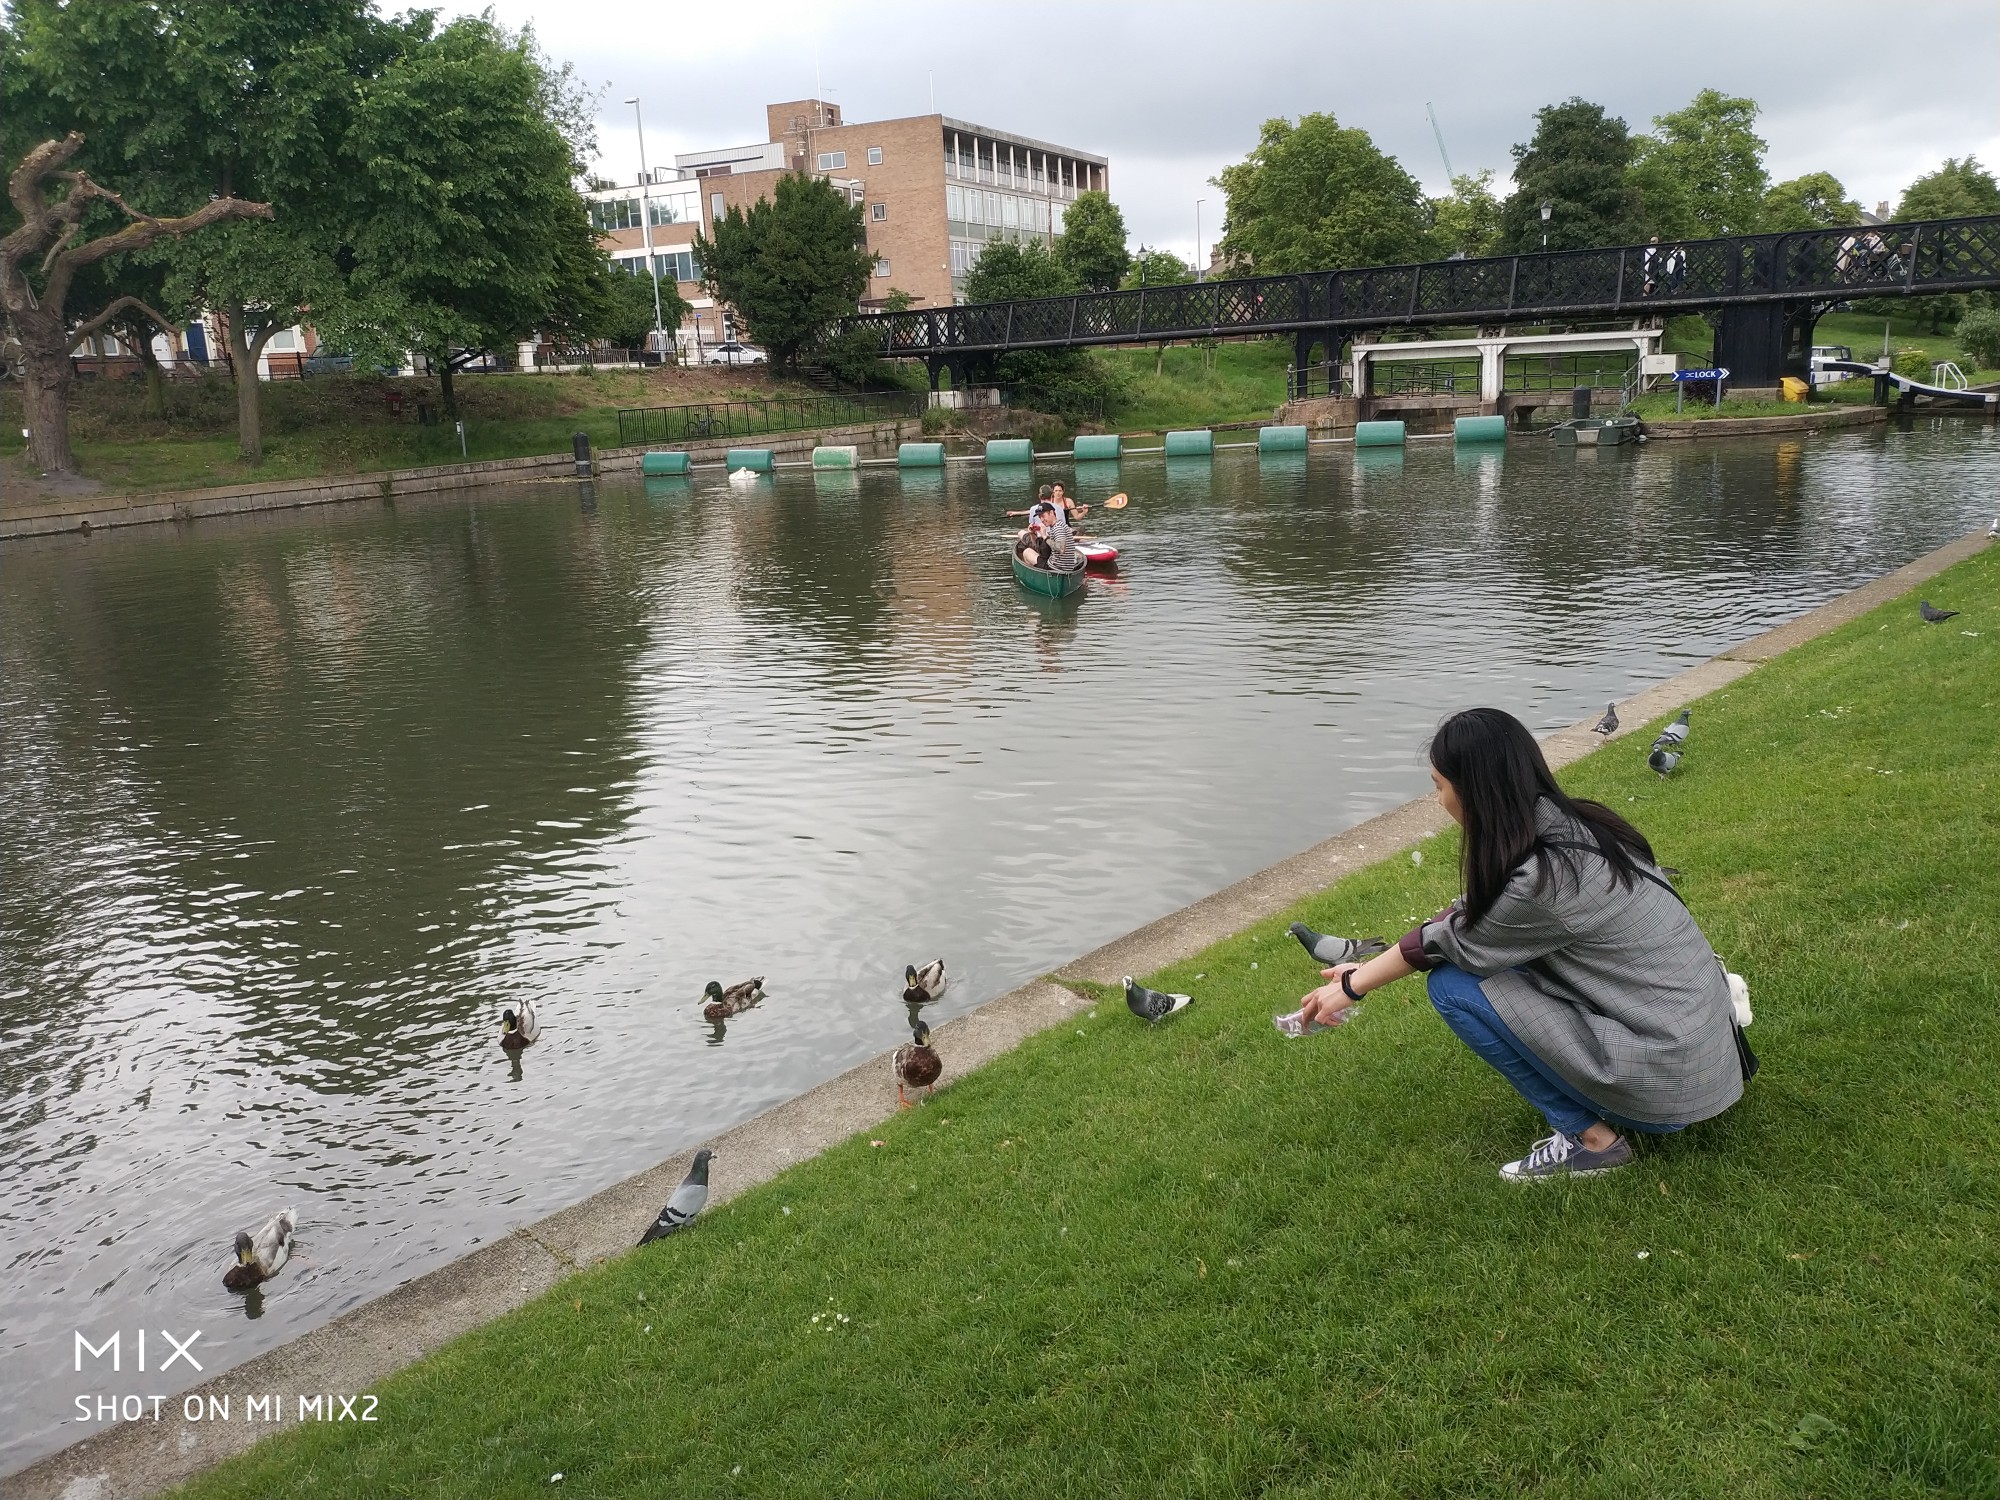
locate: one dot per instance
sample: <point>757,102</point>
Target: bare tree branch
<point>110,313</point>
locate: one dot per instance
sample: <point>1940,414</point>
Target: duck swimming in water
<point>921,986</point>
<point>519,1029</point>
<point>261,1256</point>
<point>722,1004</point>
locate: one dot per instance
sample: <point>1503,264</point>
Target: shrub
<point>1979,338</point>
<point>1912,364</point>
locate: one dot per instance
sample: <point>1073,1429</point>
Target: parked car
<point>1824,352</point>
<point>735,354</point>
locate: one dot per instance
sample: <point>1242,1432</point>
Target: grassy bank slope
<point>1205,1261</point>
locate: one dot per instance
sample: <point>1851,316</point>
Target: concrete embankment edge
<point>106,512</point>
<point>1804,421</point>
<point>384,1335</point>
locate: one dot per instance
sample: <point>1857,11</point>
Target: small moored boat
<point>1098,554</point>
<point>1042,581</point>
<point>1598,432</point>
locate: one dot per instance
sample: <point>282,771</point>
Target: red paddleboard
<point>1098,554</point>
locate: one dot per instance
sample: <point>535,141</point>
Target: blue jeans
<point>1468,1012</point>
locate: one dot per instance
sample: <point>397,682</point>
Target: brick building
<point>934,190</point>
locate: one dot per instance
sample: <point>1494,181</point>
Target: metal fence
<point>725,419</point>
<point>1565,372</point>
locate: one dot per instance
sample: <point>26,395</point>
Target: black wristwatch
<point>1346,988</point>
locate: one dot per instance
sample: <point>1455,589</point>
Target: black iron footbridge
<point>1768,289</point>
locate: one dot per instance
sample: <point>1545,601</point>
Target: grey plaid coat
<point>1616,990</point>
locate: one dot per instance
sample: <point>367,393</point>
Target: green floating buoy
<point>920,456</point>
<point>1479,430</point>
<point>666,463</point>
<point>1194,442</point>
<point>837,456</point>
<point>761,460</point>
<point>1378,434</point>
<point>1009,451</point>
<point>1095,445</point>
<point>1283,439</point>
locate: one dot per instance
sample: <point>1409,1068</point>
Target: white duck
<point>742,478</point>
<point>261,1256</point>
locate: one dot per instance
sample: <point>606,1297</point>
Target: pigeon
<point>1664,760</point>
<point>1608,725</point>
<point>1151,1006</point>
<point>1329,949</point>
<point>688,1200</point>
<point>1932,614</point>
<point>1674,735</point>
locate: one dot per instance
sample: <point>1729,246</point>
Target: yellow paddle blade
<point>1116,502</point>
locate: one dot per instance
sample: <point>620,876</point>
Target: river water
<point>290,807</point>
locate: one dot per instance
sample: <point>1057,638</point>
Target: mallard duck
<point>688,1200</point>
<point>921,986</point>
<point>261,1256</point>
<point>916,1063</point>
<point>722,1004</point>
<point>519,1029</point>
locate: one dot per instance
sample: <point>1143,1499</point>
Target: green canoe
<point>1041,581</point>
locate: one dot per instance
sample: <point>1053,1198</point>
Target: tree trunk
<point>1159,358</point>
<point>243,362</point>
<point>140,337</point>
<point>447,393</point>
<point>45,402</point>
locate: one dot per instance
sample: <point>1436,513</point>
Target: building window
<point>832,161</point>
<point>671,211</point>
<point>715,205</point>
<point>881,269</point>
<point>874,156</point>
<point>620,213</point>
<point>878,211</point>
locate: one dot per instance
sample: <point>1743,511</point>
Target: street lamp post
<point>1547,209</point>
<point>1200,272</point>
<point>646,229</point>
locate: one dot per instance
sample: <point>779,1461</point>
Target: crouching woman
<point>1569,964</point>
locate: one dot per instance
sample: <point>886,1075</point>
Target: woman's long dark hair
<point>1499,774</point>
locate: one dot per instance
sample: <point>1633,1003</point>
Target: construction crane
<point>1440,140</point>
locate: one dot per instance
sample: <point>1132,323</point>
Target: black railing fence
<point>725,419</point>
<point>1943,255</point>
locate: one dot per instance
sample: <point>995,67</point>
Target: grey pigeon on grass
<point>1329,949</point>
<point>1674,735</point>
<point>689,1199</point>
<point>1932,614</point>
<point>1608,725</point>
<point>1664,761</point>
<point>1152,1006</point>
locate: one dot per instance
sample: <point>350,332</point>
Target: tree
<point>1466,221</point>
<point>792,266</point>
<point>39,263</point>
<point>1577,163</point>
<point>1978,336</point>
<point>1958,189</point>
<point>1814,201</point>
<point>623,311</point>
<point>1007,272</point>
<point>188,100</point>
<point>1701,172</point>
<point>1316,197</point>
<point>1091,246</point>
<point>1158,268</point>
<point>467,233</point>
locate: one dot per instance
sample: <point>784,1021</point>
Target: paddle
<point>1117,502</point>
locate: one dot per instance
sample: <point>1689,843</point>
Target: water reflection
<point>292,807</point>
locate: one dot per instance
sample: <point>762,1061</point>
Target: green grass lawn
<point>343,425</point>
<point>1245,384</point>
<point>1204,1261</point>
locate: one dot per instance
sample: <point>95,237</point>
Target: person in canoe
<point>1071,511</point>
<point>1048,543</point>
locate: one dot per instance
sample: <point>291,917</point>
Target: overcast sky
<point>1172,91</point>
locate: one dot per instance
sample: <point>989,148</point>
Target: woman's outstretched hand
<point>1327,1004</point>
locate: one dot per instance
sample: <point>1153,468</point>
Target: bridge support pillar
<point>1329,340</point>
<point>1762,343</point>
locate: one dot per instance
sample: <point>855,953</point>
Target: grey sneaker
<point>1560,1156</point>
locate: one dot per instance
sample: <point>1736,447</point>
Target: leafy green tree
<point>1957,189</point>
<point>1578,163</point>
<point>1701,172</point>
<point>792,266</point>
<point>1978,336</point>
<point>1158,268</point>
<point>186,101</point>
<point>621,309</point>
<point>467,232</point>
<point>1313,196</point>
<point>1814,201</point>
<point>1007,272</point>
<point>1466,221</point>
<point>1091,246</point>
